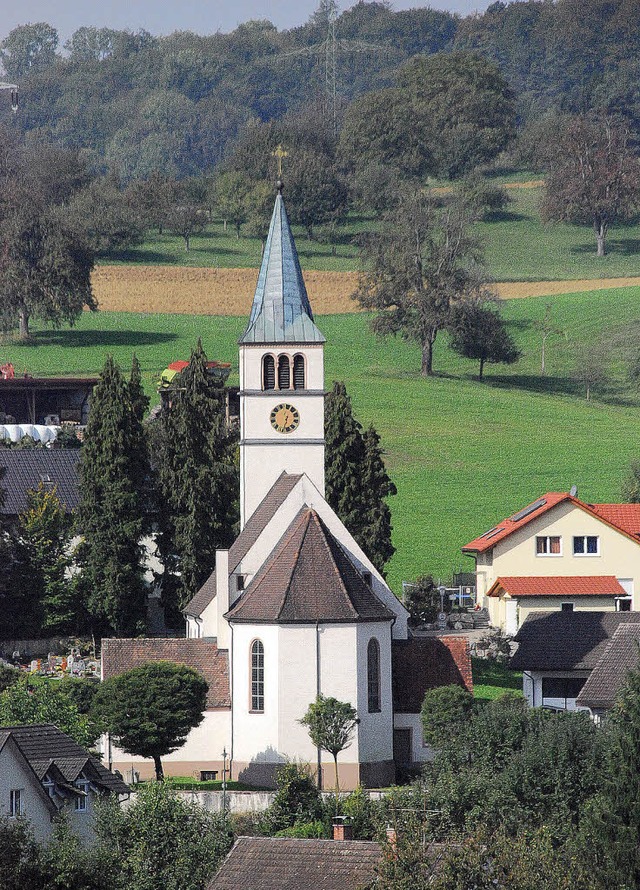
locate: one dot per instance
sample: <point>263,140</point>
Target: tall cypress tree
<point>356,481</point>
<point>198,482</point>
<point>113,476</point>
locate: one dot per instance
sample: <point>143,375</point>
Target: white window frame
<point>16,802</point>
<point>584,543</point>
<point>548,538</point>
<point>80,802</point>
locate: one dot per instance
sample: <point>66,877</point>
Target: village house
<point>295,608</point>
<point>558,553</point>
<point>568,659</point>
<point>44,773</point>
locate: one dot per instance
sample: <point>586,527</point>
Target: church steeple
<point>281,312</point>
<point>281,375</point>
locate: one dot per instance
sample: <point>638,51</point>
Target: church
<point>294,608</point>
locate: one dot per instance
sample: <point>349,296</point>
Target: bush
<point>305,830</point>
<point>444,710</point>
<point>297,799</point>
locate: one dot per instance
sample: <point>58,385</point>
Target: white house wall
<point>14,774</point>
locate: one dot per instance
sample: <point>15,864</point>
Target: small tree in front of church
<point>331,724</point>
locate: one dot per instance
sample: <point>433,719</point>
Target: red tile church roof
<point>422,663</point>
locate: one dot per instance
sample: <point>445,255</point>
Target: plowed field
<point>192,291</point>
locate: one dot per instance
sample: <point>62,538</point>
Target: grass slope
<point>491,680</point>
<point>463,453</point>
<point>518,247</point>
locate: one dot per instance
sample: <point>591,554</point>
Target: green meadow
<point>518,247</point>
<point>462,453</point>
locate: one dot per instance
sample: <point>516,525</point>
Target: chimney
<point>342,830</point>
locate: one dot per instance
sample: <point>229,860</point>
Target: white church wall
<point>255,735</point>
<point>264,463</point>
<point>202,750</point>
<point>251,364</point>
<point>339,673</point>
<point>376,729</point>
<point>420,753</point>
<point>298,688</point>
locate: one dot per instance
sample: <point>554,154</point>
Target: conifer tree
<point>356,481</point>
<point>198,483</point>
<point>113,476</point>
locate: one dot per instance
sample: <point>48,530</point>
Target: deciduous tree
<point>149,710</point>
<point>478,332</point>
<point>594,177</point>
<point>422,261</point>
<point>331,724</point>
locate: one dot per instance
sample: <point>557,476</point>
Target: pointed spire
<point>281,312</point>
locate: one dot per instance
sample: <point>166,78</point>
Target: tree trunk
<point>481,369</point>
<point>24,323</point>
<point>600,228</point>
<point>158,766</point>
<point>427,359</point>
<point>335,763</point>
<point>237,231</point>
<point>187,242</point>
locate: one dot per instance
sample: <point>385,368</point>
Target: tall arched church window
<point>298,372</point>
<point>373,675</point>
<point>257,676</point>
<point>268,372</point>
<point>284,372</point>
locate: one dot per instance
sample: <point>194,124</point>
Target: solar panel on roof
<point>486,534</point>
<point>493,533</point>
<point>528,510</point>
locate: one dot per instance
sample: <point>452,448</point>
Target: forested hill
<point>138,103</point>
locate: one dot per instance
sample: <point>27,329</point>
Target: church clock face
<point>285,418</point>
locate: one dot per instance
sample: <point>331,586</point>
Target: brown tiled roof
<point>120,655</point>
<point>564,641</point>
<point>308,578</point>
<point>284,863</point>
<point>556,585</point>
<point>422,663</point>
<point>606,679</point>
<point>43,745</point>
<point>258,521</point>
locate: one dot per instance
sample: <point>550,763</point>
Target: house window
<point>373,676</point>
<point>298,372</point>
<point>257,676</point>
<point>566,607</point>
<point>562,687</point>
<point>548,545</point>
<point>586,545</point>
<point>16,802</point>
<point>80,803</point>
<point>268,372</point>
<point>284,372</point>
<point>239,582</point>
<point>623,604</point>
<point>367,578</point>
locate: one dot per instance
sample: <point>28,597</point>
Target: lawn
<point>463,454</point>
<point>518,246</point>
<point>491,680</point>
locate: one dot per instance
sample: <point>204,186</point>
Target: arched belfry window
<point>268,372</point>
<point>284,372</point>
<point>257,676</point>
<point>373,675</point>
<point>298,372</point>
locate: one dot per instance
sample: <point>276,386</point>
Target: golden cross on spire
<point>280,153</point>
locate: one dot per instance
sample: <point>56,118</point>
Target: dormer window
<point>239,582</point>
<point>80,803</point>
<point>284,372</point>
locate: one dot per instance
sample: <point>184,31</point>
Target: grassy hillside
<point>462,453</point>
<point>519,247</point>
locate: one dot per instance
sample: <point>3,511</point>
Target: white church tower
<point>281,375</point>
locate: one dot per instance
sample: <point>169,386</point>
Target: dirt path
<point>192,291</point>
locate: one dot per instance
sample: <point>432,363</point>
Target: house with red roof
<point>558,552</point>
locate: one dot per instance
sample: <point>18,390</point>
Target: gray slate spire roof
<point>281,312</point>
